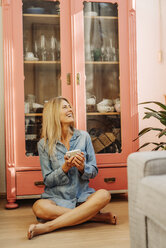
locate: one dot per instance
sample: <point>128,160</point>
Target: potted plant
<point>161,116</point>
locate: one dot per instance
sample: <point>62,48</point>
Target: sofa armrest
<point>140,165</point>
<point>147,163</point>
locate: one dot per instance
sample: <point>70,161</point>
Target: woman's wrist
<point>65,167</point>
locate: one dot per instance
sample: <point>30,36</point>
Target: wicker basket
<point>105,140</point>
<point>111,136</point>
<point>98,146</point>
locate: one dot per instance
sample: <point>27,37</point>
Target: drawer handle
<point>110,180</point>
<point>38,183</point>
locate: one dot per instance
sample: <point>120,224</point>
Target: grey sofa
<point>147,199</point>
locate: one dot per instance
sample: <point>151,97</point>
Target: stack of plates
<point>35,10</point>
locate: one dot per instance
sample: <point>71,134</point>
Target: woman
<point>67,199</point>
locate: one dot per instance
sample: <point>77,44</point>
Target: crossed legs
<point>58,217</point>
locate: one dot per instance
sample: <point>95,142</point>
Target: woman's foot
<point>106,218</point>
<point>36,229</point>
<point>31,231</point>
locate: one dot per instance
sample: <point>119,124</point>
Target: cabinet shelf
<point>33,114</point>
<point>91,113</point>
<point>41,15</point>
<point>39,18</point>
<point>41,62</point>
<point>102,62</point>
<point>102,17</point>
<point>105,113</point>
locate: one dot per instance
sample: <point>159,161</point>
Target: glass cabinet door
<point>42,64</point>
<point>101,44</point>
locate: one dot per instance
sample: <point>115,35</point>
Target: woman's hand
<point>78,162</point>
<point>68,163</point>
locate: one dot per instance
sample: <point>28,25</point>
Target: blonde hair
<point>51,126</point>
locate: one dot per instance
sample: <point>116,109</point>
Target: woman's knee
<point>39,208</point>
<point>105,195</point>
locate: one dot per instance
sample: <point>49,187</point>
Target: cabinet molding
<point>9,85</point>
<point>133,77</point>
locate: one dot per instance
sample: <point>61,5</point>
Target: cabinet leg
<point>11,204</point>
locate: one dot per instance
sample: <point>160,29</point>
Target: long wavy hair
<point>51,126</point>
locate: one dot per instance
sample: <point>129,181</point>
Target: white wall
<point>151,74</point>
<point>2,139</point>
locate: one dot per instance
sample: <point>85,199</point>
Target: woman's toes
<point>31,232</point>
<point>114,219</point>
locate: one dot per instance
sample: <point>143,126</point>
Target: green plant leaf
<point>157,103</point>
<point>151,114</point>
<point>147,129</point>
<point>163,132</point>
<point>159,145</point>
<point>146,144</point>
<point>163,113</point>
<point>163,121</point>
<point>151,109</point>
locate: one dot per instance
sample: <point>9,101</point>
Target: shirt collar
<point>75,134</point>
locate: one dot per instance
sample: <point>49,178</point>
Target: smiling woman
<point>67,200</point>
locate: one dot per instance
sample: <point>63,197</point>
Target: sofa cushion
<point>151,199</point>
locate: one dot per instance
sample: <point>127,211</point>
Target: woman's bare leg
<point>83,213</point>
<point>48,210</point>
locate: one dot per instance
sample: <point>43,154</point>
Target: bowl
<point>35,10</point>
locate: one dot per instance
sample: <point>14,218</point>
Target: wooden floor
<point>14,225</point>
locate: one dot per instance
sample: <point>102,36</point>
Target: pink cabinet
<point>85,51</point>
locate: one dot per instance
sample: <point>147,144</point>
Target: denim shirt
<point>67,189</point>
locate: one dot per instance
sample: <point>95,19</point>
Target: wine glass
<point>102,53</point>
<point>43,47</point>
<point>36,49</point>
<point>92,53</point>
<point>52,47</point>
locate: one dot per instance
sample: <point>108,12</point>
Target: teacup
<point>108,102</point>
<point>29,55</point>
<point>91,100</point>
<point>104,108</point>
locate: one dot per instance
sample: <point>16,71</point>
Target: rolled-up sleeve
<point>90,168</point>
<point>51,177</point>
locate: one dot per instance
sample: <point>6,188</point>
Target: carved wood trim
<point>133,75</point>
<point>8,82</point>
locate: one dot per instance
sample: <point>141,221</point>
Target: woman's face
<point>66,113</point>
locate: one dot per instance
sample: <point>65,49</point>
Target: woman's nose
<point>69,108</point>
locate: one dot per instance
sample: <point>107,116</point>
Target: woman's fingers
<point>80,156</point>
<point>77,161</point>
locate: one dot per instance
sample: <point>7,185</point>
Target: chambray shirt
<point>67,189</point>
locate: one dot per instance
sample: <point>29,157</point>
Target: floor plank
<point>14,225</point>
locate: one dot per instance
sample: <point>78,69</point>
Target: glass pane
<point>102,76</point>
<point>42,66</point>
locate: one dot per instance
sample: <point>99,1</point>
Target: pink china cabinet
<point>86,52</point>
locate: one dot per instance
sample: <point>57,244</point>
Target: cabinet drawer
<point>29,183</point>
<point>110,179</point>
